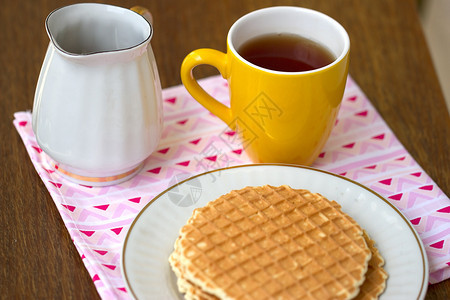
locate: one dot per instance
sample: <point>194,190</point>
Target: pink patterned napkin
<point>361,147</point>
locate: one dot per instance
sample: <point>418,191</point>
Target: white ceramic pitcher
<point>97,109</point>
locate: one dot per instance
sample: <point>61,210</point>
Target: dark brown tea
<point>286,53</point>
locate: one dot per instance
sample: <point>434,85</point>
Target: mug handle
<point>216,59</point>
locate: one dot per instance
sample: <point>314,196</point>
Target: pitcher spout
<point>87,29</point>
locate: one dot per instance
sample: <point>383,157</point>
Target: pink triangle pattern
<point>355,120</point>
<point>335,154</point>
<point>361,147</point>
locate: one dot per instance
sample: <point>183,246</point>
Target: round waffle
<point>270,242</point>
<point>372,287</point>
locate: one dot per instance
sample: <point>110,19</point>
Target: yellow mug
<point>280,116</point>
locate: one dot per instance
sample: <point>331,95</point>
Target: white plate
<point>152,234</point>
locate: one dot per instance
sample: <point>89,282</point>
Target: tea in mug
<point>286,53</point>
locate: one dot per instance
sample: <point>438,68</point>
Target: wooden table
<point>389,60</point>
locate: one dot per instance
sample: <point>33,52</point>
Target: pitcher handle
<point>143,12</point>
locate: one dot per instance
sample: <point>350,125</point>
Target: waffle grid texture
<point>271,242</point>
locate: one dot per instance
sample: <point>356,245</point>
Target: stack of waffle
<point>275,243</point>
